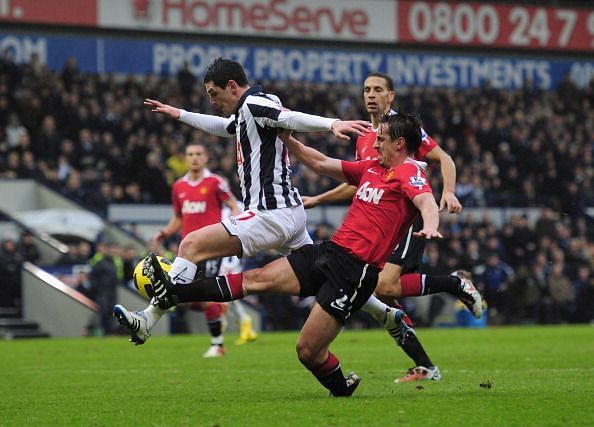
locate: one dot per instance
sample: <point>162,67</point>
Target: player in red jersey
<point>198,199</point>
<point>399,277</point>
<point>341,273</point>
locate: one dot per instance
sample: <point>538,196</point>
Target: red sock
<point>411,285</point>
<point>235,282</point>
<point>325,369</point>
<point>212,312</point>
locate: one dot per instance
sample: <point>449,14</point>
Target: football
<point>141,279</point>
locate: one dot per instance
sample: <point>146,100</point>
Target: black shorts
<point>409,251</point>
<point>340,282</point>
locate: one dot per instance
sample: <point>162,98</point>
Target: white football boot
<point>134,321</point>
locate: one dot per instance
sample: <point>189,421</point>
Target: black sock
<point>414,349</point>
<point>330,375</point>
<point>214,327</point>
<point>213,289</point>
<point>437,284</point>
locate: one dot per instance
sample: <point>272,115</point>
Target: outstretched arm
<point>425,203</point>
<point>448,171</point>
<point>302,122</point>
<point>343,191</point>
<point>313,159</point>
<point>213,125</point>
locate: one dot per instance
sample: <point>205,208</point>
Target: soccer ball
<point>140,277</point>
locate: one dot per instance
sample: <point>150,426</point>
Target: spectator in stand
<point>493,278</point>
<point>28,248</point>
<point>11,261</point>
<point>105,277</point>
<point>562,294</point>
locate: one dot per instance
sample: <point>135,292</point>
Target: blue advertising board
<point>424,69</point>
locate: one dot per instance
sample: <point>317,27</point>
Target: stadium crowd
<point>89,137</point>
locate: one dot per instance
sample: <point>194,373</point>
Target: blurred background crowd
<point>89,137</point>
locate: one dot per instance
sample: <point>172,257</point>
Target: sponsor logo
<point>369,194</point>
<point>190,207</point>
<point>339,303</point>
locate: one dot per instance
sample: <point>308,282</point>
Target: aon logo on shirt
<point>369,194</point>
<point>193,207</point>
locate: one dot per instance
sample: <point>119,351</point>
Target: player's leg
<point>246,328</point>
<point>209,242</point>
<point>406,257</point>
<point>213,313</point>
<point>317,333</point>
<point>341,285</point>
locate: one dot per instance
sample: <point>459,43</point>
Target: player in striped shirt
<point>274,217</point>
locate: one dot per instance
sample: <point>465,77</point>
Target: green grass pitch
<point>539,376</point>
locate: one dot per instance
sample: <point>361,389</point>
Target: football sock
<point>414,349</point>
<point>153,314</point>
<point>376,308</point>
<point>412,285</point>
<point>329,374</point>
<point>218,289</point>
<point>182,271</point>
<point>437,284</point>
<point>218,339</point>
<point>241,313</point>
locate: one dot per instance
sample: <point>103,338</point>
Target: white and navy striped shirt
<point>262,158</point>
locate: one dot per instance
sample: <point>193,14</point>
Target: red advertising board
<point>52,12</point>
<point>495,25</point>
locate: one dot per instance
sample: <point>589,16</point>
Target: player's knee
<point>256,280</point>
<point>388,288</point>
<point>306,354</point>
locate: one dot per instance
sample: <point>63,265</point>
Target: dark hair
<point>197,144</point>
<point>407,126</point>
<point>387,78</point>
<point>221,70</point>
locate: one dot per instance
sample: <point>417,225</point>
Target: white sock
<point>182,271</point>
<point>220,340</point>
<point>377,309</point>
<point>153,315</point>
<point>241,313</point>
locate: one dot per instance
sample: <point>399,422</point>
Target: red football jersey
<point>365,150</point>
<point>382,209</point>
<point>199,203</point>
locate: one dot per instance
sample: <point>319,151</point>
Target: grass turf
<point>539,376</point>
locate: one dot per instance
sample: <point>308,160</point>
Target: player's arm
<point>343,191</point>
<point>213,125</point>
<point>313,159</point>
<point>172,227</point>
<point>425,203</point>
<point>302,122</point>
<point>448,171</point>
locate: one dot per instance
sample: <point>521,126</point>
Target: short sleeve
<point>413,181</point>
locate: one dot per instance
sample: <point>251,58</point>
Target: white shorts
<point>280,229</point>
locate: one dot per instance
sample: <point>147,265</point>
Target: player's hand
<point>428,234</point>
<point>159,107</point>
<point>450,201</point>
<point>158,238</point>
<point>342,128</point>
<point>310,201</point>
<point>284,134</point>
